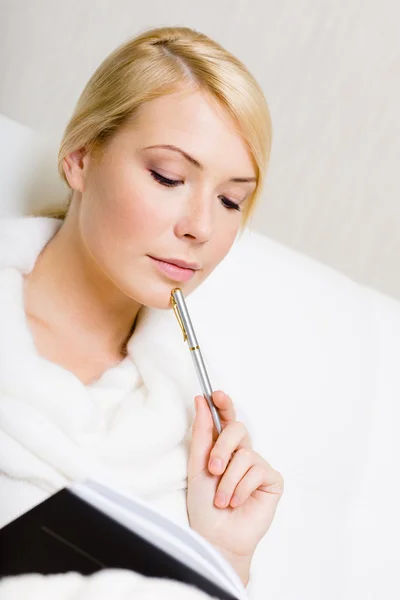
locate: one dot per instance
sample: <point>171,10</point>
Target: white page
<point>187,536</point>
<point>180,542</point>
<point>151,533</point>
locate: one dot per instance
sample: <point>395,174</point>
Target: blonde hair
<point>161,61</point>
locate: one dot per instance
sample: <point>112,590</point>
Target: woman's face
<point>139,199</point>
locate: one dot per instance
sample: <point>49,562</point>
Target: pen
<point>182,315</point>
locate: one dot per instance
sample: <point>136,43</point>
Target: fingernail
<point>220,499</point>
<point>216,464</point>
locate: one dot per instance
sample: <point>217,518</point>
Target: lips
<point>173,271</point>
<point>179,263</point>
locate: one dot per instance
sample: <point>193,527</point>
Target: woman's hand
<point>249,488</point>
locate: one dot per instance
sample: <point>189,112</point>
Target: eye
<point>229,204</point>
<point>174,182</point>
<point>164,180</point>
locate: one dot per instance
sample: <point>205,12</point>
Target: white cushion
<point>312,358</point>
<point>28,170</point>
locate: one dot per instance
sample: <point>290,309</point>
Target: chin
<point>162,303</point>
<point>155,292</point>
<point>161,298</point>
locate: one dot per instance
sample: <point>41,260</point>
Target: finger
<point>242,461</point>
<point>261,479</point>
<point>202,438</point>
<point>247,485</point>
<point>234,437</point>
<point>225,406</point>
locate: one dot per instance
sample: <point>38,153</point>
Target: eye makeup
<point>229,204</point>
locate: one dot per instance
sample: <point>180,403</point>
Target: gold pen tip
<point>172,294</point>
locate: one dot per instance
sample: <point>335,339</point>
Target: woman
<point>165,156</point>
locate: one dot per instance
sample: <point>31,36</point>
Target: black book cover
<point>65,533</point>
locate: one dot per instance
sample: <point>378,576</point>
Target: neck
<point>72,297</point>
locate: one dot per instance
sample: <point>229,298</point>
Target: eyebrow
<point>196,163</point>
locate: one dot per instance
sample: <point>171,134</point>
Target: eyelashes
<point>164,180</point>
<point>174,182</point>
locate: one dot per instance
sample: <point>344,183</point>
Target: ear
<point>75,166</point>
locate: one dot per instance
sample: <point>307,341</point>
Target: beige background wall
<point>331,75</point>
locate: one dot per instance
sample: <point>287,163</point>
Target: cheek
<point>135,209</point>
<point>122,217</point>
<point>139,219</point>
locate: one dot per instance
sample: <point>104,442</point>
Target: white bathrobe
<point>131,427</point>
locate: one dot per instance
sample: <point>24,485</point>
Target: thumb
<point>202,438</point>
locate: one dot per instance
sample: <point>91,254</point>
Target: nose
<point>198,218</point>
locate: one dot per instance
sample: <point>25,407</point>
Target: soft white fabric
<point>131,427</point>
<point>120,428</point>
<point>114,584</point>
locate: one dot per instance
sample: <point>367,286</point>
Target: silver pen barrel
<point>206,385</point>
<point>189,335</point>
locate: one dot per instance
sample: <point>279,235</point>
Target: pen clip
<point>178,316</point>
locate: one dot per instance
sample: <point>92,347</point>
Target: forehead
<point>198,124</point>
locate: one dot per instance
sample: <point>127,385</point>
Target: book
<point>90,526</point>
